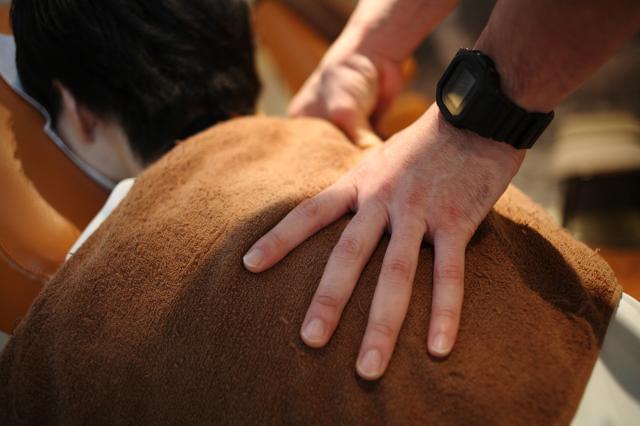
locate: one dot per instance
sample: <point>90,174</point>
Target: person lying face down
<point>124,80</point>
<point>155,319</point>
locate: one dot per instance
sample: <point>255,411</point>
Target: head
<point>124,80</point>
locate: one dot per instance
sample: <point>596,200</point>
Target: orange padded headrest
<point>46,201</point>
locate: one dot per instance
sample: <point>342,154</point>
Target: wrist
<point>434,122</point>
<point>470,96</point>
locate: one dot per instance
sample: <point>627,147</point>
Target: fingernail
<point>440,345</point>
<point>253,258</point>
<point>370,365</point>
<point>314,332</point>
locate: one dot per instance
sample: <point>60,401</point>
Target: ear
<point>83,120</point>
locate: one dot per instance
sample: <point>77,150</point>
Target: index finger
<point>302,222</point>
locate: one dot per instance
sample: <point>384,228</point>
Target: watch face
<point>455,93</point>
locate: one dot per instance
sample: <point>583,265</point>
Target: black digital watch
<point>469,97</point>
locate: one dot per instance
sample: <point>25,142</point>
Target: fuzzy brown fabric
<point>155,320</point>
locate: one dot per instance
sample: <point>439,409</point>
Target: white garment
<point>612,396</point>
<point>119,192</point>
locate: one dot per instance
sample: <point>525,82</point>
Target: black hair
<point>165,69</point>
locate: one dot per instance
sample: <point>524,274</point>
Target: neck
<point>109,152</point>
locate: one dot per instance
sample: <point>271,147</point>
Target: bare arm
<point>361,73</point>
<point>393,28</point>
<point>545,49</point>
<point>434,181</point>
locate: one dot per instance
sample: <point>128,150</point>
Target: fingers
<point>341,274</point>
<point>391,300</point>
<point>342,112</point>
<point>344,93</point>
<point>305,220</point>
<point>448,292</point>
<point>307,103</point>
<point>391,85</point>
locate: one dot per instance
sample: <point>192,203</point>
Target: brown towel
<point>155,320</point>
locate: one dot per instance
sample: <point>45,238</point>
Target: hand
<point>348,88</point>
<point>430,181</point>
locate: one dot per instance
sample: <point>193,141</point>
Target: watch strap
<point>491,113</point>
<point>516,126</point>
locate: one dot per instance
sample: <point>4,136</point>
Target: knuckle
<point>445,314</point>
<point>383,328</point>
<point>414,200</point>
<point>456,220</point>
<point>273,240</point>
<point>343,111</point>
<point>380,193</point>
<point>451,213</point>
<point>348,248</point>
<point>398,271</point>
<point>309,208</point>
<point>449,274</point>
<point>327,300</point>
<point>377,207</point>
<point>384,193</point>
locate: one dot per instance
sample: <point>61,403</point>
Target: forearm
<point>392,29</point>
<point>545,49</point>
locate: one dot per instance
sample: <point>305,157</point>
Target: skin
<point>431,181</point>
<point>101,143</point>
